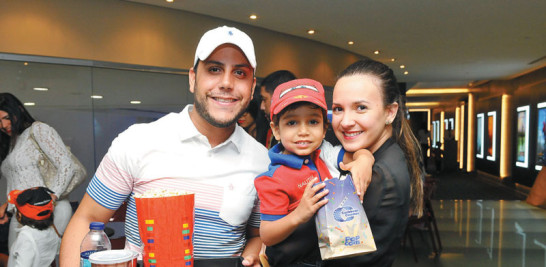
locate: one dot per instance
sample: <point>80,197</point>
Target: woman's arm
<point>360,165</point>
<point>53,146</point>
<point>273,232</point>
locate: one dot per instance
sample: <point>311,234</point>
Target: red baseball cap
<point>34,201</point>
<point>300,90</point>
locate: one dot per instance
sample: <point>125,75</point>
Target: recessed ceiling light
<point>29,104</point>
<point>96,96</point>
<point>253,16</point>
<point>170,1</point>
<point>351,43</point>
<point>376,52</point>
<point>26,63</point>
<point>393,59</point>
<point>402,66</point>
<point>40,89</point>
<point>406,72</point>
<point>311,32</point>
<point>135,102</point>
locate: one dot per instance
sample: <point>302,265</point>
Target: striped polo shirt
<point>170,153</point>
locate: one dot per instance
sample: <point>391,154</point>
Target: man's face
<point>266,101</point>
<point>223,86</point>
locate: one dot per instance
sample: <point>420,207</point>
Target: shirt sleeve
<point>274,201</point>
<point>331,155</point>
<point>113,181</point>
<point>52,145</point>
<point>22,252</point>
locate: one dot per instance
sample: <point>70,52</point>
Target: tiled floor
<point>482,233</point>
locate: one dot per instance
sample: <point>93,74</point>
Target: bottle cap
<point>96,226</point>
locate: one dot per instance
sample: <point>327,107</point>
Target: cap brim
<point>12,197</point>
<point>291,101</point>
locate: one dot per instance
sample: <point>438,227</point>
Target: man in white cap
<point>199,150</point>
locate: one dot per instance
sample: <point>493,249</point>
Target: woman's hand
<point>310,201</point>
<point>360,167</point>
<point>3,214</point>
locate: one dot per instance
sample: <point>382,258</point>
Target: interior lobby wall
<point>132,33</point>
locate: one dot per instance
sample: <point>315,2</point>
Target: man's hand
<point>251,260</point>
<point>360,166</point>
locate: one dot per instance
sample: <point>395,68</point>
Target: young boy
<point>37,242</point>
<point>287,195</point>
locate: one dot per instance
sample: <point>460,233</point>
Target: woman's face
<point>245,120</point>
<point>5,123</point>
<point>359,116</point>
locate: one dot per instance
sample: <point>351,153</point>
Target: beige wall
<point>125,32</point>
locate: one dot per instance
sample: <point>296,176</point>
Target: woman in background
<point>248,119</point>
<point>20,158</point>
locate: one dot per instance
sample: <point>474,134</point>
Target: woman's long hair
<point>20,120</point>
<point>402,132</point>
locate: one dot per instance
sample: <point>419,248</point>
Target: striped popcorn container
<point>165,223</point>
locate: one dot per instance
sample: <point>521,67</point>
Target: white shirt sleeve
<point>329,154</point>
<point>53,146</point>
<point>23,251</point>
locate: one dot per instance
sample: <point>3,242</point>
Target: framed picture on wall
<point>434,126</point>
<point>522,137</point>
<point>541,135</point>
<point>479,135</point>
<point>491,134</point>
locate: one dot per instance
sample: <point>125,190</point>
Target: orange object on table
<point>166,229</point>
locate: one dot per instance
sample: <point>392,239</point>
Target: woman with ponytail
<point>369,113</point>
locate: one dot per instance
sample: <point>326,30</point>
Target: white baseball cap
<point>225,35</point>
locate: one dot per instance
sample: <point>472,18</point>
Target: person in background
<point>267,87</point>
<point>37,242</point>
<point>20,158</point>
<point>248,119</point>
<point>201,150</point>
<point>369,113</point>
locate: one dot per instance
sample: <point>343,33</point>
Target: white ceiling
<point>442,43</point>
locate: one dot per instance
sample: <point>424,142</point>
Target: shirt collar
<point>290,160</point>
<point>188,131</point>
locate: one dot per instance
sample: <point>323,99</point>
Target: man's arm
<point>252,247</point>
<point>88,211</point>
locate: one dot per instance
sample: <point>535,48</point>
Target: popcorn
<point>160,192</point>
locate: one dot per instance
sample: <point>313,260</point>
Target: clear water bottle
<point>95,240</point>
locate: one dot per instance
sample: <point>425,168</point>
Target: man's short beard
<point>203,112</point>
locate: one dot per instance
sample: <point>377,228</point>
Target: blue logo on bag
<point>345,214</point>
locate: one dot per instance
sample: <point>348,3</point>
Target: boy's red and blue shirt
<point>280,188</point>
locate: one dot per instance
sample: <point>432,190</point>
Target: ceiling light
<point>135,102</point>
<point>435,91</point>
<point>43,89</point>
<point>406,72</point>
<point>402,66</point>
<point>96,96</point>
<point>376,52</point>
<point>26,63</point>
<point>29,104</point>
<point>393,59</point>
<point>311,32</point>
<point>170,1</point>
<point>253,16</point>
<point>351,43</point>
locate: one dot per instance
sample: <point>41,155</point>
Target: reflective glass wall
<point>90,103</point>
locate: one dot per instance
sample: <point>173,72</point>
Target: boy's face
<point>301,130</point>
